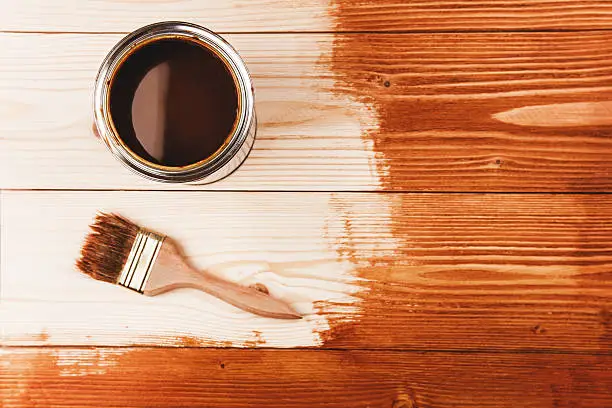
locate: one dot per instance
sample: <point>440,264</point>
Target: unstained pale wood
<point>102,377</point>
<point>467,112</point>
<point>290,247</point>
<point>405,271</point>
<point>309,15</point>
<point>308,138</point>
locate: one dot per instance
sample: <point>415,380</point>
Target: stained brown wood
<point>310,15</point>
<point>127,378</point>
<point>485,112</point>
<point>470,15</point>
<point>403,271</point>
<point>447,112</point>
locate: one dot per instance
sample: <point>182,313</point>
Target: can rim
<point>189,32</point>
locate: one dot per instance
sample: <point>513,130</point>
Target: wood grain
<point>127,378</point>
<point>243,239</point>
<point>308,138</point>
<point>309,15</point>
<point>447,111</point>
<point>405,271</point>
<point>512,290</point>
<point>350,112</point>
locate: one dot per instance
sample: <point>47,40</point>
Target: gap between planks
<point>332,32</point>
<point>492,351</point>
<point>391,192</point>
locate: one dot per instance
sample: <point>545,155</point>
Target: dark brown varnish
<point>173,102</point>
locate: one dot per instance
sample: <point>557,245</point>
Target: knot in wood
<point>261,288</point>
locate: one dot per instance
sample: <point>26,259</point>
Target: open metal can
<point>236,147</point>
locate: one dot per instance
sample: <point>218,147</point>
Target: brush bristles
<point>107,247</point>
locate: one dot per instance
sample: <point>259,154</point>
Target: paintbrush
<point>119,251</point>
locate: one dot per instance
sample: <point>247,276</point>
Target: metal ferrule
<point>140,261</point>
<point>237,145</point>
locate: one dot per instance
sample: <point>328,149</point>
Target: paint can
<point>236,144</point>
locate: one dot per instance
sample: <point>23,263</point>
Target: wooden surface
<point>286,379</point>
<point>429,186</point>
<point>402,271</point>
<point>468,112</point>
<point>309,15</point>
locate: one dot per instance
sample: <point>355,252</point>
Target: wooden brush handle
<point>171,271</point>
<point>245,298</point>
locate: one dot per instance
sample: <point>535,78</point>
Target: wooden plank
<point>308,138</point>
<point>405,271</point>
<point>484,112</point>
<point>311,15</point>
<point>238,378</point>
<point>50,302</point>
<point>461,112</point>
